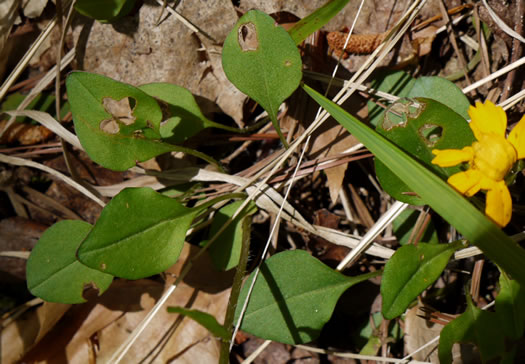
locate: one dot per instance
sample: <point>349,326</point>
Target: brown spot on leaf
<point>120,109</point>
<point>109,126</point>
<point>247,37</point>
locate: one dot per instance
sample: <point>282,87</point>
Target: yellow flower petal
<point>452,157</point>
<point>499,204</point>
<point>466,183</point>
<point>487,118</point>
<point>517,138</point>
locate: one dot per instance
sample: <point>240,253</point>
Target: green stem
<point>236,290</point>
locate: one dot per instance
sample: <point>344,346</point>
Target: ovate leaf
<point>409,272</point>
<point>293,297</point>
<point>117,124</point>
<point>204,319</point>
<point>261,59</point>
<point>139,233</point>
<point>53,272</point>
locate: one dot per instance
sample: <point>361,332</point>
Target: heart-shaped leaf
<point>139,233</point>
<point>424,125</point>
<point>410,271</point>
<point>53,272</point>
<point>293,297</point>
<point>261,59</point>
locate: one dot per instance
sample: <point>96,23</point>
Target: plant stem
<point>236,289</point>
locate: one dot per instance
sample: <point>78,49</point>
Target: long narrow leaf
<point>316,20</point>
<point>468,220</point>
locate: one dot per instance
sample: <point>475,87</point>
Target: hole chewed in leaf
<point>121,109</point>
<point>398,113</point>
<point>431,134</point>
<point>109,126</point>
<point>248,37</point>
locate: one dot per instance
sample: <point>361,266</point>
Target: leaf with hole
<point>204,319</point>
<point>410,271</point>
<point>293,297</point>
<point>53,272</point>
<point>117,124</point>
<point>261,59</point>
<point>139,233</point>
<point>425,124</point>
<point>454,208</point>
<point>443,91</point>
<point>226,251</point>
<point>397,83</point>
<point>401,84</point>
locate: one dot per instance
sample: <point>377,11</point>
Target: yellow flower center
<point>494,156</point>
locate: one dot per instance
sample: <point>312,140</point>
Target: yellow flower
<point>490,158</point>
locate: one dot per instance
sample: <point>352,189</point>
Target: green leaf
<point>226,252</point>
<point>313,22</point>
<point>473,326</point>
<point>442,90</point>
<point>431,125</point>
<point>404,224</point>
<point>293,297</point>
<point>397,83</point>
<point>104,10</point>
<point>114,141</point>
<point>402,84</point>
<point>204,319</point>
<point>53,272</point>
<point>510,307</point>
<point>117,124</point>
<point>261,59</point>
<point>410,271</point>
<point>186,118</point>
<point>453,207</point>
<point>139,233</point>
